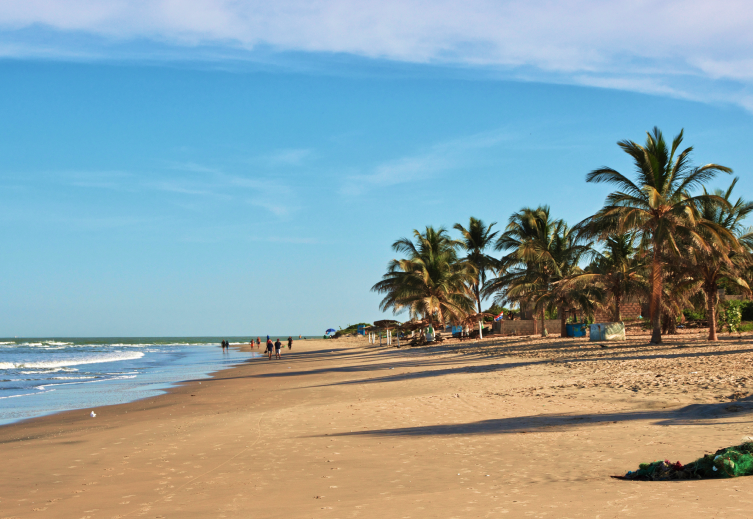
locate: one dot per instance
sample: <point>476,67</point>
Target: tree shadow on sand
<point>695,414</point>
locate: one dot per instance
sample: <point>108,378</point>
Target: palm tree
<point>477,238</point>
<point>431,282</point>
<point>657,206</point>
<point>725,258</point>
<point>618,270</point>
<point>542,251</point>
<point>567,251</point>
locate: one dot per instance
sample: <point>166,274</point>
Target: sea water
<point>44,376</point>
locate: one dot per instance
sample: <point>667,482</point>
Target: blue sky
<point>163,177</point>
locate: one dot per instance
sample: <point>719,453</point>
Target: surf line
<point>172,494</point>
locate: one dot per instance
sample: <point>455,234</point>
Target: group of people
<point>275,347</point>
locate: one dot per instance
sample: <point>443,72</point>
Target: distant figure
<point>223,344</point>
<point>278,347</point>
<point>290,343</point>
<point>258,342</point>
<point>299,336</point>
<point>270,347</point>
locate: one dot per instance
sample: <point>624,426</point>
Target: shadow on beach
<point>695,414</point>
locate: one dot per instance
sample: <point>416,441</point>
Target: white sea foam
<point>74,361</point>
<point>44,387</point>
<point>26,394</point>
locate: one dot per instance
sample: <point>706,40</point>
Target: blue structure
<point>361,330</point>
<point>575,330</point>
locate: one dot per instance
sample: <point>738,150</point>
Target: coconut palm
<point>542,252</point>
<point>476,239</point>
<point>431,282</point>
<point>678,290</point>
<point>725,258</point>
<point>618,270</point>
<point>657,205</point>
<point>568,251</point>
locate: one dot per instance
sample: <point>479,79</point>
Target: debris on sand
<point>730,462</point>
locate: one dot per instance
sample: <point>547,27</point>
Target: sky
<point>211,167</point>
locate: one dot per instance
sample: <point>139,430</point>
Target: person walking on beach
<point>258,342</point>
<point>270,346</point>
<point>278,347</point>
<point>290,343</point>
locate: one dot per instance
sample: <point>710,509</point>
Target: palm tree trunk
<point>563,322</point>
<point>543,323</point>
<point>711,298</point>
<point>671,324</point>
<point>617,297</point>
<point>477,290</point>
<point>656,289</point>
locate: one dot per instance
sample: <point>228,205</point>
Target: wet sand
<point>513,427</point>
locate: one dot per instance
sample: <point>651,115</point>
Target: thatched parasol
<point>387,323</point>
<point>414,325</point>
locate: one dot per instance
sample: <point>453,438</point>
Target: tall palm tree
<point>430,282</point>
<point>567,251</point>
<point>476,239</point>
<point>725,258</point>
<point>542,251</point>
<point>657,205</point>
<point>618,270</point>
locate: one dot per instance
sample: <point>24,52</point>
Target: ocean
<point>44,376</point>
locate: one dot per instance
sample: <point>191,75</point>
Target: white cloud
<point>651,46</point>
<point>288,157</point>
<point>426,164</point>
<point>194,181</point>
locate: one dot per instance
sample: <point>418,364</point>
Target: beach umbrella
<point>386,323</point>
<point>330,331</point>
<point>414,325</point>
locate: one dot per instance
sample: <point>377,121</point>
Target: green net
<point>724,463</point>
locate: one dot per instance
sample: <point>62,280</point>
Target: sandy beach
<point>516,427</point>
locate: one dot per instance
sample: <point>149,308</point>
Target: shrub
<point>730,316</point>
<point>694,315</point>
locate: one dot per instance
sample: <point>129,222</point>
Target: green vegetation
<point>661,237</point>
<point>350,329</point>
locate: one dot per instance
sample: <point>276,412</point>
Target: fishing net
<point>724,463</point>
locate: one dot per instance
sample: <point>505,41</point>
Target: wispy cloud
<point>610,44</point>
<point>289,157</point>
<point>194,181</point>
<point>435,160</point>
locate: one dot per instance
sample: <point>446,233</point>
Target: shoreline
<point>340,429</point>
<point>116,380</point>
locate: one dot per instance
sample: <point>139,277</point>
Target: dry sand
<point>512,427</point>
